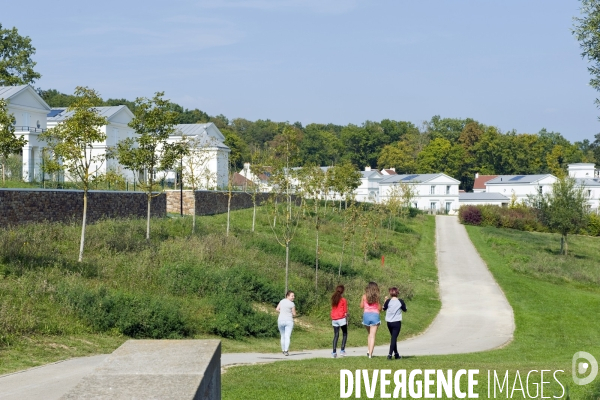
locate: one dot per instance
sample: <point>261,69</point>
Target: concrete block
<point>156,369</point>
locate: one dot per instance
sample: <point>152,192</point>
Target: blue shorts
<point>371,319</point>
<point>339,322</point>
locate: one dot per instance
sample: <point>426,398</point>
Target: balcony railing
<point>31,129</point>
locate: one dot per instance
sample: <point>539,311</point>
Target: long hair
<point>337,295</point>
<point>372,293</point>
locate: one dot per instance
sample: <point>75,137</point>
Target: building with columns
<point>30,111</point>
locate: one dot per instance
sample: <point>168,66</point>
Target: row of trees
<point>457,147</point>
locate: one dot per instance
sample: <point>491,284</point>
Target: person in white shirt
<point>287,311</point>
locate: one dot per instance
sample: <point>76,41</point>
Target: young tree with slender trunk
<point>258,167</point>
<point>196,170</point>
<point>150,152</point>
<point>75,143</point>
<point>312,181</point>
<point>285,154</point>
<point>9,142</point>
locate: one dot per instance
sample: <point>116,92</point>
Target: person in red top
<point>339,314</point>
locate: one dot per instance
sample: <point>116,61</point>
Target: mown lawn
<point>556,302</point>
<point>195,286</point>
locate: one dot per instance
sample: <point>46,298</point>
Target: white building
<point>30,111</point>
<point>483,198</point>
<point>116,130</point>
<point>433,192</point>
<point>210,161</point>
<point>520,186</point>
<point>261,178</point>
<point>368,190</point>
<point>587,176</point>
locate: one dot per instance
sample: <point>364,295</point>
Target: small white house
<point>520,186</point>
<point>30,111</point>
<point>116,130</point>
<point>483,198</point>
<point>433,192</point>
<point>209,160</point>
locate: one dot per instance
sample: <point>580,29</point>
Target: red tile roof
<point>481,180</point>
<point>240,180</point>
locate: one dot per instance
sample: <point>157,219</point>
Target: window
<point>433,205</point>
<point>432,190</point>
<point>589,193</point>
<point>448,189</point>
<point>540,189</point>
<point>448,205</point>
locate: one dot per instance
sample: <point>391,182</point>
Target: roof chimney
<point>393,169</point>
<point>476,175</point>
<point>367,169</point>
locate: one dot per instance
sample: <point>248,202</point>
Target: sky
<point>511,64</point>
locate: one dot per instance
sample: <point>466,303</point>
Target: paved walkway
<point>475,316</point>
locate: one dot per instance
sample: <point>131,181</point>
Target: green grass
<point>183,285</point>
<point>556,307</point>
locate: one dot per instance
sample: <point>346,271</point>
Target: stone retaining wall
<point>212,202</point>
<point>18,206</point>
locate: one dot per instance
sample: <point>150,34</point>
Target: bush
<point>521,218</point>
<point>235,318</point>
<point>133,315</point>
<point>593,228</point>
<point>470,215</point>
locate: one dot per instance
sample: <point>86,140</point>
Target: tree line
<point>455,146</point>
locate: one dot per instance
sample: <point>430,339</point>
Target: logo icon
<point>580,368</point>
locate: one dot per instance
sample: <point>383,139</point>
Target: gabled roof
<point>371,173</point>
<point>241,180</point>
<point>481,180</point>
<point>208,128</point>
<point>414,178</point>
<point>517,179</point>
<point>60,114</point>
<point>7,92</point>
<point>481,196</point>
<point>587,182</point>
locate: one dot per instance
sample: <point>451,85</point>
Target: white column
<point>27,163</point>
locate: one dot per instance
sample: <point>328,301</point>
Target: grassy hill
<point>180,285</point>
<point>556,303</point>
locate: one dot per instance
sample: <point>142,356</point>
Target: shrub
<point>593,227</point>
<point>133,315</point>
<point>235,318</point>
<point>470,215</point>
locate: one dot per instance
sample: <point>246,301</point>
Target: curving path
<point>475,316</point>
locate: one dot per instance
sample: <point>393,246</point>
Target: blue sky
<point>512,64</point>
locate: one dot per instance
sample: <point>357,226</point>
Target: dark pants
<point>336,335</point>
<point>394,328</point>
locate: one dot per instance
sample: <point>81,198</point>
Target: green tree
<point>285,152</point>
<point>312,183</point>
<point>16,65</point>
<point>239,149</point>
<point>441,156</point>
<point>150,152</point>
<point>564,209</point>
<point>587,32</point>
<point>75,143</point>
<point>9,142</point>
<point>400,155</point>
<point>345,179</point>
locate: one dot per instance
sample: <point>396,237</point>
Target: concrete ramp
<point>155,369</point>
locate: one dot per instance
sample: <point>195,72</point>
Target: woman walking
<point>393,308</point>
<point>371,308</point>
<point>285,322</point>
<point>339,314</point>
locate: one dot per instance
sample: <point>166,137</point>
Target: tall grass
<point>183,285</point>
